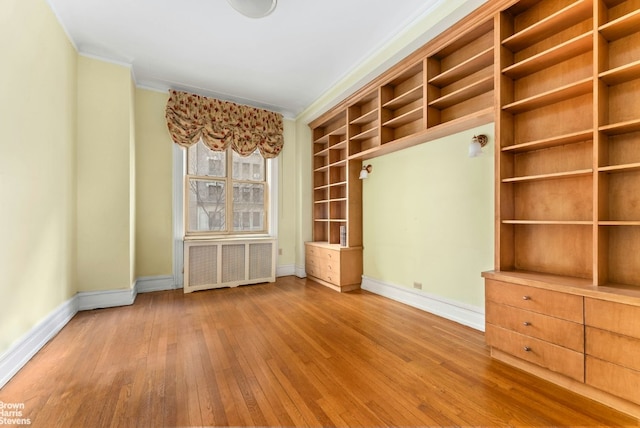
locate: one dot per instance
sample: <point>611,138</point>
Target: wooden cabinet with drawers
<point>339,268</point>
<point>613,348</point>
<point>582,337</point>
<point>539,326</point>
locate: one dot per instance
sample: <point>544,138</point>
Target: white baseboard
<point>301,272</point>
<point>29,344</point>
<point>285,270</point>
<point>462,313</point>
<point>88,300</point>
<point>32,341</point>
<point>149,284</point>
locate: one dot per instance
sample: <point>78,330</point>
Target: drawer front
<point>312,250</point>
<point>547,302</point>
<point>615,348</point>
<point>312,263</point>
<point>614,379</point>
<point>553,357</point>
<point>312,269</point>
<point>314,254</point>
<point>323,263</point>
<point>555,330</point>
<point>332,267</point>
<point>612,316</point>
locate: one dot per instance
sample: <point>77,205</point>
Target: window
<point>210,203</point>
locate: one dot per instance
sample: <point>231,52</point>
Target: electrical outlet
<point>417,285</point>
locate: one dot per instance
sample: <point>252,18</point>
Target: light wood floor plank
<point>292,353</point>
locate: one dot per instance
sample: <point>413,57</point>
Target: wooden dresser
<point>577,335</point>
<point>540,326</point>
<point>339,268</point>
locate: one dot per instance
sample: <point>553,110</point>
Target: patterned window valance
<point>192,117</point>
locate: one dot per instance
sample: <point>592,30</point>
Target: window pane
<point>248,168</point>
<point>207,199</point>
<point>248,207</point>
<point>205,162</point>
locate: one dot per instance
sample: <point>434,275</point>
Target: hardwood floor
<point>291,353</point>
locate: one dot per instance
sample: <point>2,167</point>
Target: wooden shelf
<point>338,132</point>
<point>322,153</point>
<point>560,140</point>
<point>339,146</point>
<point>365,118</point>
<point>548,222</point>
<point>550,97</point>
<point>463,94</point>
<point>621,74</point>
<point>564,18</point>
<point>555,282</point>
<point>620,168</point>
<point>405,98</point>
<point>555,55</point>
<point>621,27</point>
<point>405,118</point>
<point>621,127</point>
<point>618,223</point>
<point>369,133</point>
<point>553,176</point>
<point>465,68</point>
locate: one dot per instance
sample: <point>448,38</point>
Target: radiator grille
<point>215,264</point>
<point>233,263</point>
<point>203,266</point>
<point>260,256</point>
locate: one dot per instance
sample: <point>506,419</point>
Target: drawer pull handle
<point>526,323</point>
<point>526,297</point>
<point>526,349</point>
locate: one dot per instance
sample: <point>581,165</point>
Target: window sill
<point>227,238</point>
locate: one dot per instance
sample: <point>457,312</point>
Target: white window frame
<point>179,172</point>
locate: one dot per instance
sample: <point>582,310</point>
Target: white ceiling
<point>283,62</point>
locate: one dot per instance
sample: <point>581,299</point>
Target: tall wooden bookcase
<point>445,87</point>
<point>568,195</point>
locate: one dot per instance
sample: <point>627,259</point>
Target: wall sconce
<point>365,171</point>
<point>477,143</point>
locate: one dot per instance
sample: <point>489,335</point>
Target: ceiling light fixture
<point>254,8</point>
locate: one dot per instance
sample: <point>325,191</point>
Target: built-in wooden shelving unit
<point>561,81</point>
<point>568,193</point>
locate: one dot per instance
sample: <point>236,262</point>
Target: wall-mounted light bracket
<point>365,171</point>
<point>477,143</point>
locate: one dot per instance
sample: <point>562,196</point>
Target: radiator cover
<point>228,263</point>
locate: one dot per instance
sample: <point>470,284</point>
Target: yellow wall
<point>428,217</point>
<point>154,206</point>
<point>287,181</point>
<point>104,176</point>
<point>37,166</point>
